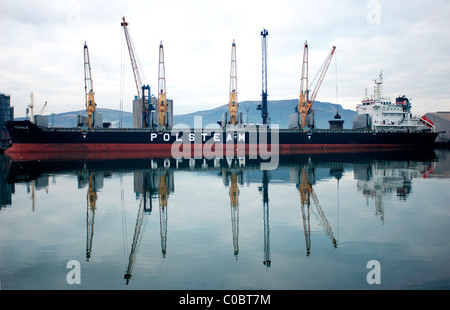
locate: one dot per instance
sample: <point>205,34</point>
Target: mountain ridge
<point>278,110</point>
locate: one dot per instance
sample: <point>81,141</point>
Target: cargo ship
<point>380,124</point>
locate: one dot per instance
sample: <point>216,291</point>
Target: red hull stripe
<point>36,151</point>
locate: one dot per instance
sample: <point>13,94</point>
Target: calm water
<point>313,223</point>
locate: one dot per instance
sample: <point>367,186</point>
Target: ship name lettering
<point>166,136</point>
<point>229,138</point>
<point>216,137</point>
<point>153,135</point>
<point>241,137</point>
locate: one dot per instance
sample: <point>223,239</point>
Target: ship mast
<point>378,84</point>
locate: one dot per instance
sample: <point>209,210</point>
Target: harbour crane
<point>161,105</point>
<point>143,91</point>
<point>89,88</point>
<point>306,100</point>
<point>233,102</point>
<point>263,105</point>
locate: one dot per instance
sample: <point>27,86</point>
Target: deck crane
<point>161,105</point>
<point>89,88</point>
<point>306,100</point>
<point>263,105</point>
<point>143,91</point>
<point>43,109</point>
<point>232,102</point>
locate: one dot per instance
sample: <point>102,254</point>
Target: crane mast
<point>143,91</point>
<point>89,88</point>
<point>161,106</point>
<point>303,103</point>
<point>306,101</point>
<point>233,103</point>
<point>263,105</point>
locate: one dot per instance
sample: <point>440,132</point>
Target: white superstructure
<point>379,113</point>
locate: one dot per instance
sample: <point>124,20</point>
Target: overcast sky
<point>41,50</point>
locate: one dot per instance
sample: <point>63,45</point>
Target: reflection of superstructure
<point>380,181</point>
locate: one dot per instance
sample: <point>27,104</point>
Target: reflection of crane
<point>306,193</point>
<point>163,196</point>
<point>265,191</point>
<point>263,105</point>
<point>305,190</point>
<point>143,91</point>
<point>234,204</point>
<point>233,103</point>
<point>135,242</point>
<point>90,214</point>
<point>89,88</point>
<point>306,101</point>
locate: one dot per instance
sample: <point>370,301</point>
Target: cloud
<point>42,50</point>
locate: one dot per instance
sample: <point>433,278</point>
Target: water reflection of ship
<point>155,179</point>
<point>380,181</point>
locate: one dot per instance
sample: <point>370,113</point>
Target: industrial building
<point>441,121</point>
<point>6,114</point>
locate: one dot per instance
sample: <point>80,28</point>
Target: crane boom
<point>141,89</point>
<point>89,88</point>
<point>233,103</point>
<point>322,75</point>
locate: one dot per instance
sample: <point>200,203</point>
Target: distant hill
<point>279,111</point>
<point>69,119</point>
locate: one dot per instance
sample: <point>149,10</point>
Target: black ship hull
<point>30,140</point>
